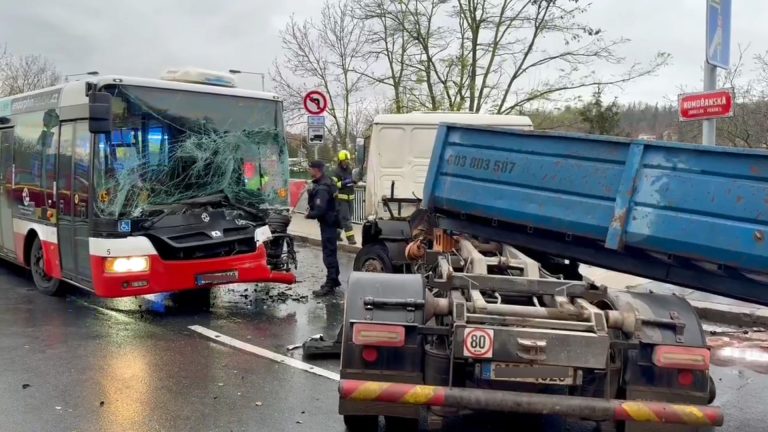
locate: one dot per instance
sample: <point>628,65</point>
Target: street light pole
<point>261,74</point>
<point>91,73</point>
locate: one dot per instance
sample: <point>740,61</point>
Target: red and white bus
<point>130,186</point>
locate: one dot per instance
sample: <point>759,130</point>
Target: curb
<point>316,242</point>
<point>738,315</point>
<point>733,315</point>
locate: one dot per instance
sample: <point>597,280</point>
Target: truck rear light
<point>673,357</point>
<point>685,378</point>
<point>378,335</point>
<point>370,354</point>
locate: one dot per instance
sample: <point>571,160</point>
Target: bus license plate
<point>552,375</point>
<point>217,278</point>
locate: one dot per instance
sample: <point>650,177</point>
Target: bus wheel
<point>44,283</point>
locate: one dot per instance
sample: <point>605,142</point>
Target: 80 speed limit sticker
<point>478,342</point>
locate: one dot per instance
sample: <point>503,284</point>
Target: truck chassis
<point>480,326</point>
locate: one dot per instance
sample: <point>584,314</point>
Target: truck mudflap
<point>531,403</point>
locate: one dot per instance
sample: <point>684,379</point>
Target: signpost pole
<point>718,54</point>
<point>709,127</point>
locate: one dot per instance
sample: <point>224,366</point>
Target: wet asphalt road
<point>81,363</point>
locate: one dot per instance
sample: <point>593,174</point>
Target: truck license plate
<point>217,278</point>
<point>553,375</point>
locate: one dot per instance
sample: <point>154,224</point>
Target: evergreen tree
<point>600,118</point>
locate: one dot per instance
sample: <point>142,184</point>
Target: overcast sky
<point>144,37</point>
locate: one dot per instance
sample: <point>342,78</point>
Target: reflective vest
<point>346,193</point>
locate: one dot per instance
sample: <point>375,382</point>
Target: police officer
<point>345,183</point>
<point>322,207</point>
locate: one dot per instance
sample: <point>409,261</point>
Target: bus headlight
<point>126,265</point>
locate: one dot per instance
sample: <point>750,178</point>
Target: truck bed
<point>683,214</point>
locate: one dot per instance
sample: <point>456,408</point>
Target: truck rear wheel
<point>373,258</point>
<point>712,390</point>
<point>358,423</point>
<point>46,284</point>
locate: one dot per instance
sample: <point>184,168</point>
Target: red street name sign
<point>707,105</point>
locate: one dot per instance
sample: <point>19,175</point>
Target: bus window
<point>82,157</point>
<point>34,139</point>
<point>170,146</point>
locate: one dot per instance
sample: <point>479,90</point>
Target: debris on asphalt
<point>25,386</point>
<point>318,337</point>
<point>265,294</point>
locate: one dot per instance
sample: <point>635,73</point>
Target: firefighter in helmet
<point>345,198</point>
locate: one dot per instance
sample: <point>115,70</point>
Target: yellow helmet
<point>344,156</point>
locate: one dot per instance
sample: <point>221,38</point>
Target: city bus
<point>131,186</point>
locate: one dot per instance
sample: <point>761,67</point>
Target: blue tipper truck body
<point>689,215</point>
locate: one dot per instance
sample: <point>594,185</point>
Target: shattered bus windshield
<point>169,146</point>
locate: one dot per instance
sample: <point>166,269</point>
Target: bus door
<point>65,221</point>
<point>81,189</point>
<point>73,184</point>
<point>6,191</point>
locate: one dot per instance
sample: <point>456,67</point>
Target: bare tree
<point>500,56</point>
<point>512,41</point>
<point>748,127</point>
<point>493,55</point>
<point>330,55</point>
<point>414,47</point>
<point>19,74</point>
<point>388,43</point>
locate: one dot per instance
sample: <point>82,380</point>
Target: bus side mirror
<point>100,112</point>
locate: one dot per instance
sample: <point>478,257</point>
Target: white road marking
<point>264,353</point>
<point>105,311</point>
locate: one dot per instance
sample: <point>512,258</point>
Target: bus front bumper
<point>172,276</point>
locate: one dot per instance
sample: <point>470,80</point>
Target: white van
<point>400,148</point>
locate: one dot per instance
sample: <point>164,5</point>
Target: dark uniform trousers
<point>328,239</point>
<point>345,199</point>
<point>344,206</point>
<point>322,207</point>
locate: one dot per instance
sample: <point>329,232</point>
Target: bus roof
<point>183,86</point>
<point>74,92</point>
